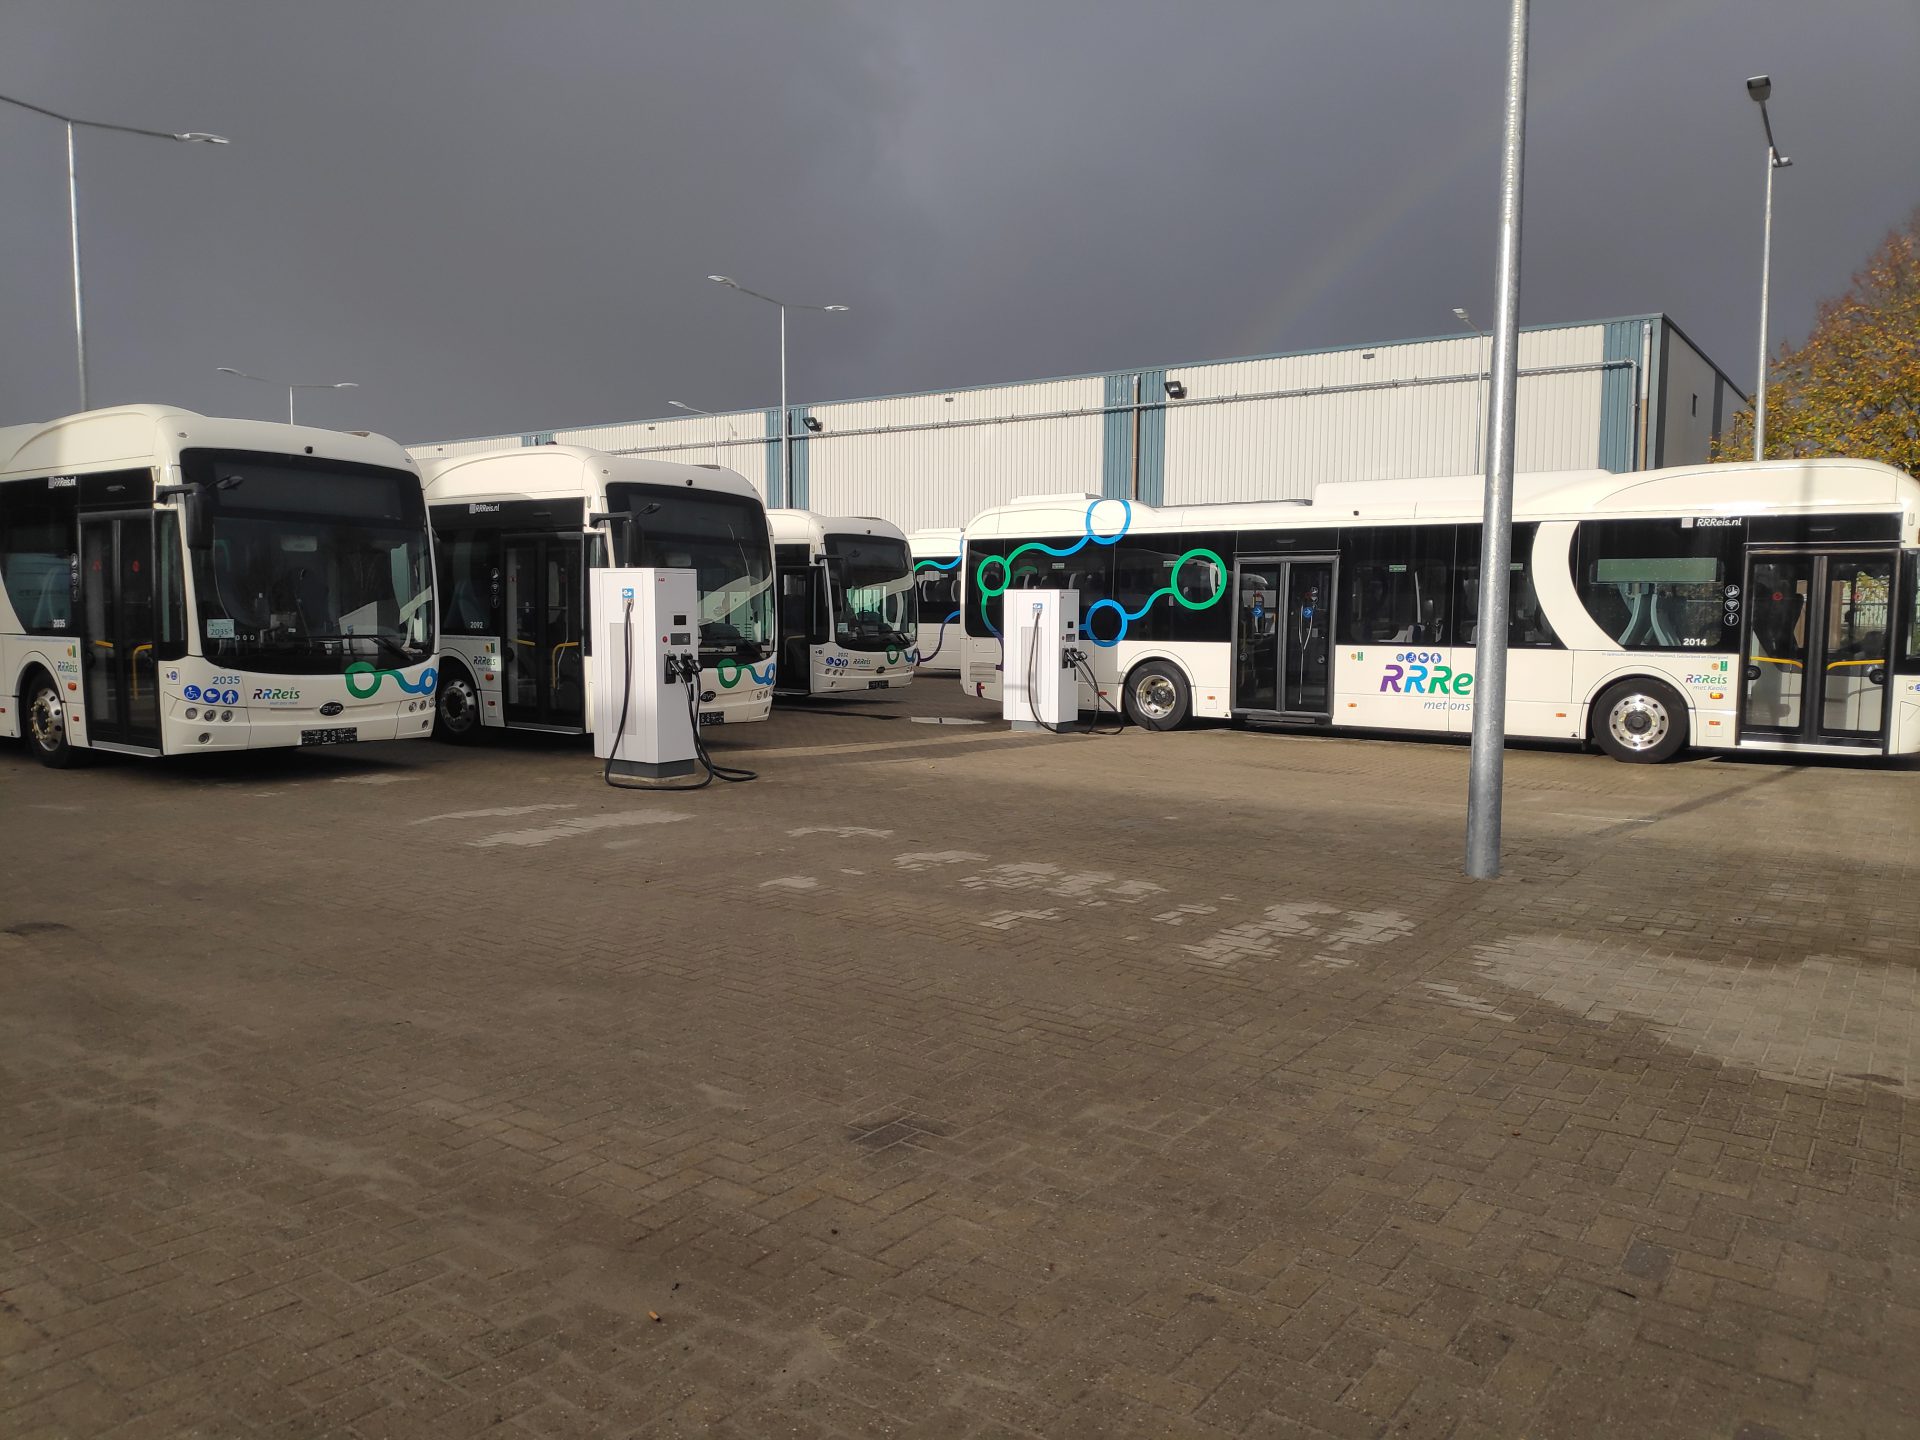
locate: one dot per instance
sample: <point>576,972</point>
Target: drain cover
<point>943,720</point>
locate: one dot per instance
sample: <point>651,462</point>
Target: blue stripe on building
<point>1622,342</point>
<point>797,427</point>
<point>1153,436</point>
<point>774,498</point>
<point>1116,438</point>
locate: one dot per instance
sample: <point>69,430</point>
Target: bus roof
<point>1726,489</point>
<point>793,527</point>
<point>936,543</point>
<point>142,434</point>
<point>527,471</point>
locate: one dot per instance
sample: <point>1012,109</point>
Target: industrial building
<point>1626,394</point>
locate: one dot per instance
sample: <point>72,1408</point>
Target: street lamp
<point>321,385</point>
<point>1460,314</point>
<point>786,425</point>
<point>732,434</point>
<point>73,206</point>
<point>1759,88</point>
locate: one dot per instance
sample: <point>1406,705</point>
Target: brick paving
<point>929,1087</point>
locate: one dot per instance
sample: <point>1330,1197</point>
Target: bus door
<point>117,630</point>
<point>1816,646</point>
<point>1283,628</point>
<point>797,610</point>
<point>543,671</point>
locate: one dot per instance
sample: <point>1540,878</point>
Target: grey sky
<point>499,216</point>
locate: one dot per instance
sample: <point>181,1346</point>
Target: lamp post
<point>786,424</point>
<point>1759,88</point>
<point>732,434</point>
<point>1487,762</point>
<point>1460,314</point>
<point>320,385</point>
<point>73,205</point>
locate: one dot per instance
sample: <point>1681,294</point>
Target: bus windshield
<point>313,564</point>
<point>724,540</point>
<point>874,606</point>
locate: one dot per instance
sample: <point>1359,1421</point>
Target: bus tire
<point>1157,696</point>
<point>1641,721</point>
<point>456,706</point>
<point>43,714</point>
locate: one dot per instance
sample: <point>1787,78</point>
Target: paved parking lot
<point>947,1082</point>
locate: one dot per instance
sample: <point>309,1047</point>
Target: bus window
<point>1527,626</point>
<point>1396,581</point>
<point>470,583</point>
<point>170,638</point>
<point>37,560</point>
<point>1910,652</point>
<point>1171,592</point>
<point>1659,584</point>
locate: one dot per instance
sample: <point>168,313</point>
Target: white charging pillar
<point>1039,688</point>
<point>646,624</point>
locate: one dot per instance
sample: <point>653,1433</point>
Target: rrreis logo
<point>481,507</point>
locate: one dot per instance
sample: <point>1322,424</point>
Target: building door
<point>1816,650</point>
<point>544,592</point>
<point>1283,652</point>
<point>117,627</point>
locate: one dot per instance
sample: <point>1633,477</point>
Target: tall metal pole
<point>786,422</point>
<point>1766,271</point>
<point>73,225</point>
<point>1487,766</point>
<point>290,404</point>
<point>73,203</point>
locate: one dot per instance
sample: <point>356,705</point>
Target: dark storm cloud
<point>497,217</point>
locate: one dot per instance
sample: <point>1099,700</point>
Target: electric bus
<point>1761,606</point>
<point>847,607</point>
<point>173,583</point>
<point>517,531</point>
<point>936,582</point>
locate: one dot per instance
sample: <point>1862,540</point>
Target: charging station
<point>646,642</point>
<point>1039,684</point>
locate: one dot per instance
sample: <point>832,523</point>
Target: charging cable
<point>1082,662</point>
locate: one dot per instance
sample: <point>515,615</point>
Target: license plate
<point>712,717</point>
<point>340,736</point>
<point>876,684</point>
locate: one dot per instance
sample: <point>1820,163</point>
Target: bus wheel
<point>456,707</point>
<point>46,715</point>
<point>1641,721</point>
<point>1156,696</point>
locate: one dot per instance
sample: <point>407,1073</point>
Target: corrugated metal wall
<point>1392,412</point>
<point>918,460</point>
<point>1267,427</point>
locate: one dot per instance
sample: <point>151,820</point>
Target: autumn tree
<point>1854,388</point>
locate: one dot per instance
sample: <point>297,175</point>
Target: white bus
<point>517,531</point>
<point>847,611</point>
<point>171,583</point>
<point>1752,606</point>
<point>936,582</point>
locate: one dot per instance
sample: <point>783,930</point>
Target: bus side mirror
<point>197,521</point>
